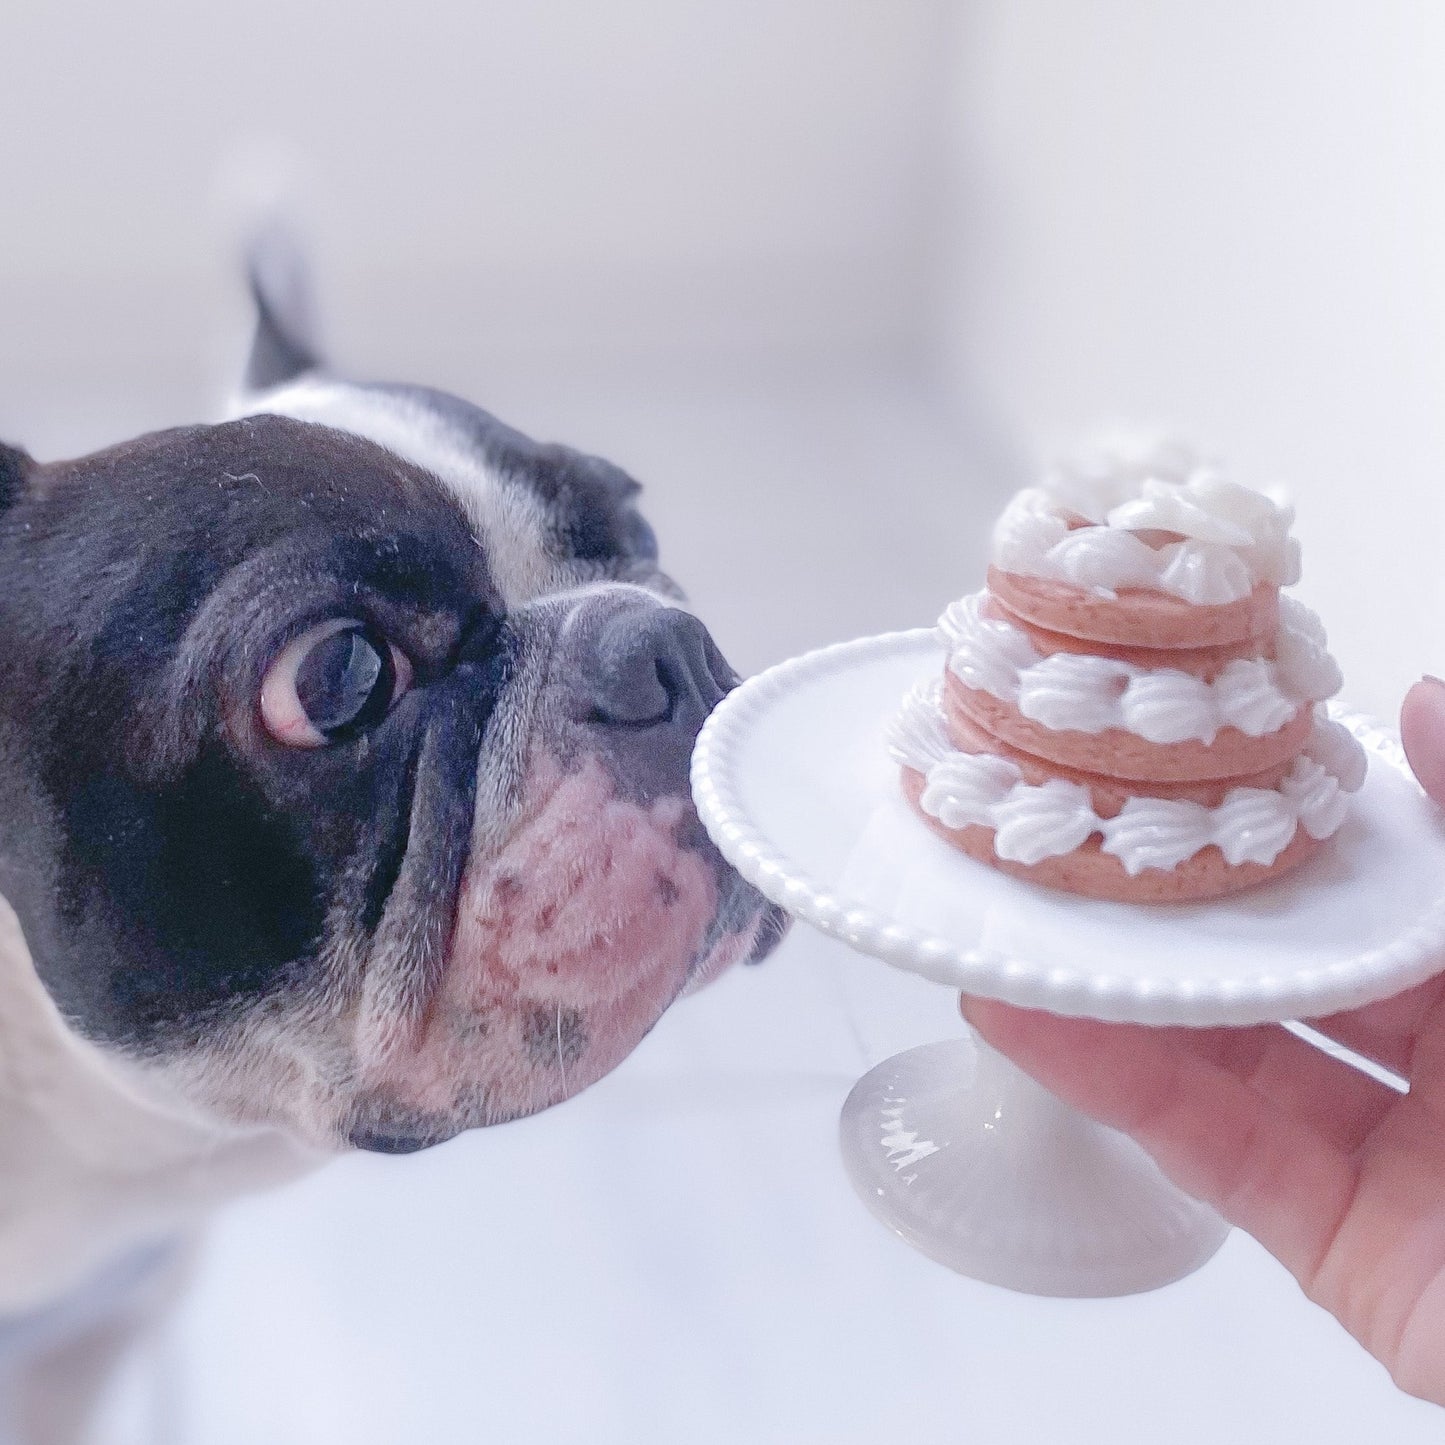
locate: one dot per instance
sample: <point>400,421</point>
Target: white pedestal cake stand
<point>950,1145</point>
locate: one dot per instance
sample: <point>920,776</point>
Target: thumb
<point>1422,730</point>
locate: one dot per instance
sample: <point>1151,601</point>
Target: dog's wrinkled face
<point>348,791</point>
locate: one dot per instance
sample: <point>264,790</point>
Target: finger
<point>1341,1104</point>
<point>1388,1031</point>
<point>1216,1138</point>
<point>1422,730</point>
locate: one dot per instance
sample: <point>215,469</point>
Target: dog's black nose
<point>658,667</point>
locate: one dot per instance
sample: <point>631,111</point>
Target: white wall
<point>1228,217</point>
<point>1231,218</point>
<point>638,178</point>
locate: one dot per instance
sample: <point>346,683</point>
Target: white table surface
<point>676,1256</point>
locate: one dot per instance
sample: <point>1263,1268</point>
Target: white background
<point>829,276</point>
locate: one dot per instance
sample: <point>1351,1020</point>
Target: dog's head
<point>344,759</point>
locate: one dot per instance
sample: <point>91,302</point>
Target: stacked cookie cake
<point>1132,709</point>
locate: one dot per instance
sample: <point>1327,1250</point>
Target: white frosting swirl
<point>1157,833</point>
<point>1110,469</point>
<point>1202,572</point>
<point>986,653</point>
<point>918,734</point>
<point>1320,806</point>
<point>1336,749</point>
<point>1168,706</point>
<point>1036,821</point>
<point>1253,698</point>
<point>1231,537</point>
<point>1063,691</point>
<point>1255,825</point>
<point>1301,658</point>
<point>1033,823</point>
<point>1084,693</point>
<point>968,787</point>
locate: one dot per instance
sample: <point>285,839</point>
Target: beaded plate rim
<point>1411,957</point>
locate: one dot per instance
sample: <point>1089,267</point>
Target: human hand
<point>1337,1174</point>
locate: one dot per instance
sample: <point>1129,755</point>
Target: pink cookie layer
<point>1107,792</point>
<point>1202,662</point>
<point>1091,873</point>
<point>1135,617</point>
<point>1115,753</point>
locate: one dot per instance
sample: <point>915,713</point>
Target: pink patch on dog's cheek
<point>568,945</point>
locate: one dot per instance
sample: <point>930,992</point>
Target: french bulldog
<point>344,804</point>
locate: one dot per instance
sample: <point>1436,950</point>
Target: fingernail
<point>1422,730</point>
<point>987,1015</point>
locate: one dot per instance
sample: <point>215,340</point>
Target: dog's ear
<point>284,345</point>
<point>15,467</point>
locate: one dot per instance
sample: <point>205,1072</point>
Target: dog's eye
<point>331,683</point>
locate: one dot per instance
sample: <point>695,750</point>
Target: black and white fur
<point>232,945</point>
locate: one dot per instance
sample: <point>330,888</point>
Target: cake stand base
<point>970,1161</point>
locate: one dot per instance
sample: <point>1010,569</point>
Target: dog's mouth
<point>570,940</point>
